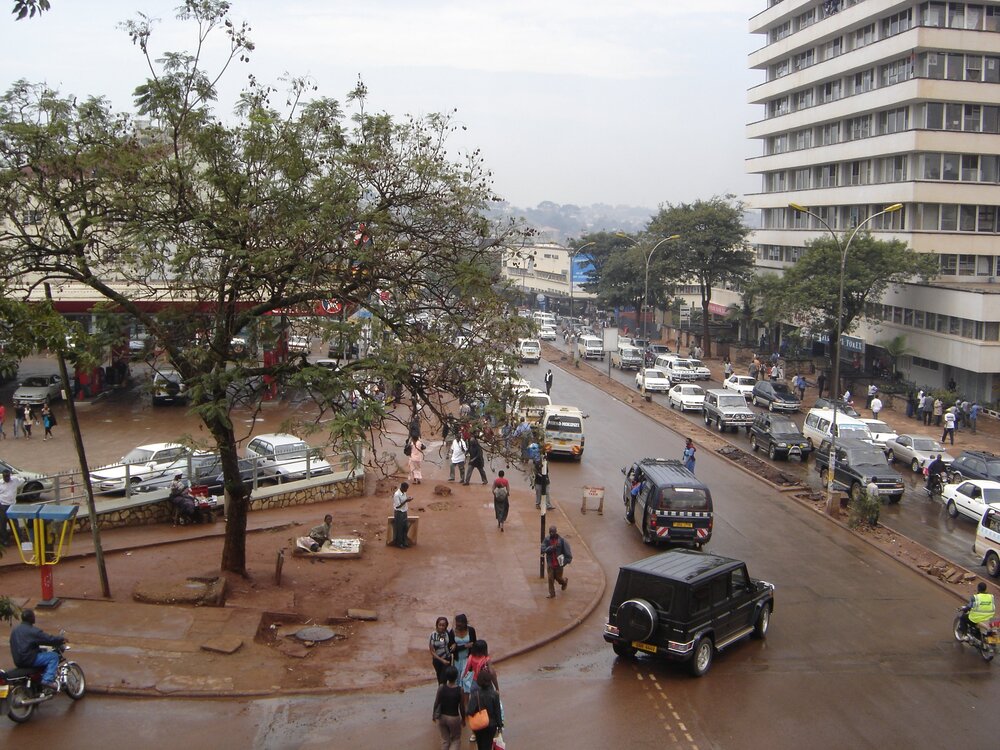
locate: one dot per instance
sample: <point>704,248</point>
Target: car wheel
<point>647,535</point>
<point>753,400</point>
<point>771,452</point>
<point>763,620</point>
<point>718,424</point>
<point>30,492</point>
<point>890,456</point>
<point>708,419</point>
<point>824,478</point>
<point>624,650</point>
<point>701,659</point>
<point>770,406</point>
<point>753,443</point>
<point>637,620</point>
<point>993,564</point>
<point>952,509</point>
<point>915,465</point>
<point>893,499</point>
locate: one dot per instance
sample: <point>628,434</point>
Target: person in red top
<point>501,498</point>
<point>3,416</point>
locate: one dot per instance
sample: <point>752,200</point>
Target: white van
<point>531,405</point>
<point>563,431</point>
<point>676,369</point>
<point>529,350</point>
<point>986,548</point>
<point>590,347</point>
<point>544,318</point>
<point>819,423</point>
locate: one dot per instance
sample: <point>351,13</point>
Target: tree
<point>237,225</point>
<point>711,249</point>
<point>28,8</point>
<point>809,289</point>
<point>757,302</point>
<point>895,348</point>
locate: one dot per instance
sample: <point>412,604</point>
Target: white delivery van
<point>590,347</point>
<point>563,431</point>
<point>818,427</point>
<point>529,350</point>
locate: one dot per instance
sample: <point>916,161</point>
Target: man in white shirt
<point>876,406</point>
<point>458,449</point>
<point>8,496</point>
<point>949,427</point>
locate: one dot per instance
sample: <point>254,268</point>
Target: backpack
<point>500,493</point>
<point>408,448</point>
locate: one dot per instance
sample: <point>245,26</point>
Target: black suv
<point>779,436</point>
<point>685,606</point>
<point>975,465</point>
<point>667,503</point>
<point>859,463</point>
<point>775,396</point>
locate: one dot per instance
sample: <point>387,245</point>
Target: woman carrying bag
<point>485,717</point>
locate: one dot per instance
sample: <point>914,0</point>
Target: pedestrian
<point>973,416</point>
<point>477,664</point>
<point>401,516</point>
<point>476,460</point>
<point>557,556</point>
<point>938,411</point>
<point>949,427</point>
<point>440,652</point>
<point>9,487</point>
<point>753,369</point>
<point>460,639</point>
<point>966,408</point>
<point>875,406</point>
<point>3,416</point>
<point>727,367</point>
<point>872,390</point>
<point>486,699</point>
<point>501,498</point>
<point>416,460</point>
<point>688,458</point>
<point>414,430</point>
<point>48,421</point>
<point>846,398</point>
<point>449,713</point>
<point>774,371</point>
<point>26,420</point>
<point>820,384</point>
<point>926,405</point>
<point>541,476</point>
<point>910,404</point>
<point>18,421</point>
<point>548,381</point>
<point>458,451</point>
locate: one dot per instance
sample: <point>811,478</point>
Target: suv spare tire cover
<point>636,620</point>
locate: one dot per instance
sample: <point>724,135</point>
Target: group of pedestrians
<point>931,411</point>
<point>25,418</point>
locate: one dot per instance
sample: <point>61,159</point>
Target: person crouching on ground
<point>321,534</point>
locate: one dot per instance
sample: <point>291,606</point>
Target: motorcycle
<point>935,485</point>
<point>21,690</point>
<point>987,640</point>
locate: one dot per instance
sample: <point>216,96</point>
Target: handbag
<point>479,720</point>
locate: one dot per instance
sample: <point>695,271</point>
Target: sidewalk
<point>461,563</point>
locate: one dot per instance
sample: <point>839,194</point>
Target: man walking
<point>8,496</point>
<point>548,381</point>
<point>458,451</point>
<point>820,384</point>
<point>875,406</point>
<point>949,427</point>
<point>872,390</point>
<point>973,416</point>
<point>557,556</point>
<point>400,516</point>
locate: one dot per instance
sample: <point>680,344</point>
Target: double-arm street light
<point>645,296</point>
<point>835,385</point>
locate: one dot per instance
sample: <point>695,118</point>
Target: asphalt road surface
<point>859,653</point>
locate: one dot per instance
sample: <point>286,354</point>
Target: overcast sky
<point>635,102</point>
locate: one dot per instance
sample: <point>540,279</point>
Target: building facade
<point>542,273</point>
<point>867,103</point>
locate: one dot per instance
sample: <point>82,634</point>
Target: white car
<point>654,379</point>
<point>915,450</point>
<point>970,498</point>
<point>299,344</point>
<point>143,466</point>
<point>701,372</point>
<point>285,457</point>
<point>686,396</point>
<point>547,333</point>
<point>742,384</point>
<point>881,432</point>
<point>38,389</point>
<point>34,483</point>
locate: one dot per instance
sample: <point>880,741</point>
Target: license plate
<point>683,525</point>
<point>644,647</point>
<point>991,639</point>
<point>3,691</point>
<point>562,442</point>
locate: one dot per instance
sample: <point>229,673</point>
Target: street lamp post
<point>835,385</point>
<point>645,297</point>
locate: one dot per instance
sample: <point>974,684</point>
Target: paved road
<point>859,653</point>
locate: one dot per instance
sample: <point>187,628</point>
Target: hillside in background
<point>556,222</point>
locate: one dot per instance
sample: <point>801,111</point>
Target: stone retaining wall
<point>148,512</point>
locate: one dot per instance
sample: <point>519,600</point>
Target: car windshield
<point>878,427</point>
<point>783,426</point>
<point>292,450</point>
<point>993,468</point>
<point>853,430</point>
<point>528,402</point>
<point>735,400</point>
<point>692,390</point>
<point>682,364</point>
<point>744,381</point>
<point>564,424</point>
<point>926,444</point>
<point>683,498</point>
<point>695,363</point>
<point>35,382</point>
<point>137,456</point>
<point>991,494</point>
<point>654,374</point>
<point>867,457</point>
<point>782,390</point>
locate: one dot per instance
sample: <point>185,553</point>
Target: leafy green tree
<point>272,210</point>
<point>711,249</point>
<point>809,289</point>
<point>895,348</point>
<point>29,8</point>
<point>759,301</point>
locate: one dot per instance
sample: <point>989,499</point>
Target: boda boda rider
<point>935,468</point>
<point>981,608</point>
<point>25,640</point>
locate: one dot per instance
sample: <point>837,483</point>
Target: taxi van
<point>562,428</point>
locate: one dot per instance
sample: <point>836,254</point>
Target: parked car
<point>826,403</point>
<point>38,389</point>
<point>858,464</point>
<point>742,384</point>
<point>285,457</point>
<point>970,498</point>
<point>727,409</point>
<point>915,450</point>
<point>779,436</point>
<point>881,432</point>
<point>701,372</point>
<point>686,606</point>
<point>685,396</point>
<point>775,396</point>
<point>168,388</point>
<point>299,344</point>
<point>986,548</point>
<point>152,463</point>
<point>655,380</point>
<point>34,483</point>
<point>975,465</point>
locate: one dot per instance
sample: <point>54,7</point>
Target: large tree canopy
<point>270,211</point>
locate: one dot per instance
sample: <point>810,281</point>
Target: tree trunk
<point>234,550</point>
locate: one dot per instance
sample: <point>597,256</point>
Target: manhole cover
<point>315,634</point>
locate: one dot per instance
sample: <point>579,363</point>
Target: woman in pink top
<point>417,449</point>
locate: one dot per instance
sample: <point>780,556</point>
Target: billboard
<point>581,267</point>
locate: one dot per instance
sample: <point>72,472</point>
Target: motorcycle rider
<point>25,640</point>
<point>935,468</point>
<point>981,608</point>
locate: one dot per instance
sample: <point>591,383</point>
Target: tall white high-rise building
<point>867,103</point>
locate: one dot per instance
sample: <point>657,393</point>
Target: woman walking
<point>449,713</point>
<point>439,648</point>
<point>501,498</point>
<point>488,699</point>
<point>48,421</point>
<point>417,449</point>
<point>27,419</point>
<point>460,638</point>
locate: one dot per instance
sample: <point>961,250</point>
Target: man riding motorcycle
<point>25,640</point>
<point>936,468</point>
<point>981,608</point>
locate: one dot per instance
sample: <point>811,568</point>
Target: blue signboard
<point>581,267</point>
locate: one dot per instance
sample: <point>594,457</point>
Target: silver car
<point>915,450</point>
<point>34,483</point>
<point>38,389</point>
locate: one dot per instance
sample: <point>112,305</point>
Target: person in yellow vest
<point>981,608</point>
